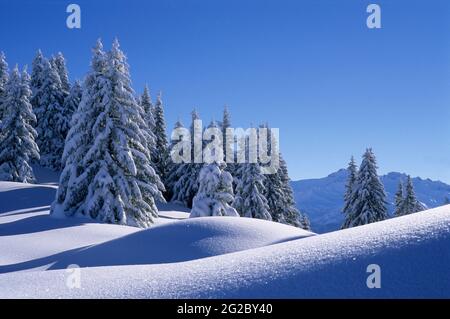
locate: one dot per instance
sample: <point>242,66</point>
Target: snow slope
<point>31,239</point>
<point>214,257</point>
<point>412,251</point>
<point>322,198</point>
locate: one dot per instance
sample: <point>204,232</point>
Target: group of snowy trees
<point>230,189</point>
<point>112,148</point>
<point>17,135</point>
<point>365,198</point>
<point>35,116</point>
<point>108,174</point>
<point>405,199</point>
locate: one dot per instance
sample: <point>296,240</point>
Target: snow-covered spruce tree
<point>17,145</point>
<point>3,82</point>
<point>249,200</point>
<point>187,184</point>
<point>115,177</point>
<point>278,191</point>
<point>74,181</point>
<point>37,78</point>
<point>399,199</point>
<point>292,216</point>
<point>71,103</point>
<point>59,62</point>
<point>173,168</point>
<point>227,145</point>
<point>161,157</point>
<point>274,192</point>
<point>215,193</point>
<point>146,103</point>
<point>51,118</point>
<point>368,199</point>
<point>149,121</point>
<point>349,186</point>
<point>410,203</point>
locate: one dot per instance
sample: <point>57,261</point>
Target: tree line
<point>365,198</point>
<point>113,152</point>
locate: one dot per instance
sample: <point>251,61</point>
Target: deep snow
<point>214,257</point>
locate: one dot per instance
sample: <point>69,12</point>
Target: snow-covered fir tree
<point>74,181</point>
<point>147,114</point>
<point>292,216</point>
<point>349,186</point>
<point>215,193</point>
<point>51,118</point>
<point>274,193</point>
<point>369,199</point>
<point>161,156</point>
<point>278,191</point>
<point>186,186</point>
<point>59,62</point>
<point>249,200</point>
<point>71,103</point>
<point>37,78</point>
<point>110,177</point>
<point>227,145</point>
<point>17,135</point>
<point>173,168</point>
<point>145,101</point>
<point>3,82</point>
<point>399,196</point>
<point>410,204</point>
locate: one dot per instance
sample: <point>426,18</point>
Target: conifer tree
<point>369,199</point>
<point>71,103</point>
<point>187,184</point>
<point>227,145</point>
<point>146,103</point>
<point>410,203</point>
<point>17,145</point>
<point>291,215</point>
<point>3,82</point>
<point>349,187</point>
<point>215,193</point>
<point>161,154</point>
<point>74,181</point>
<point>399,200</point>
<point>37,79</point>
<point>173,168</point>
<point>51,118</point>
<point>249,200</point>
<point>110,178</point>
<point>147,108</point>
<point>59,63</point>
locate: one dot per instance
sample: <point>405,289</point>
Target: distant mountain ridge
<point>322,198</point>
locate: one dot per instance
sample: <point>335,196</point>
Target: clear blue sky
<point>311,68</point>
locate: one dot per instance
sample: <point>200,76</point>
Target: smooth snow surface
<point>214,257</point>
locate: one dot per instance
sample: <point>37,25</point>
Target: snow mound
<point>412,252</point>
<point>183,240</point>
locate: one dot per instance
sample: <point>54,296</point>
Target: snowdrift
<point>184,240</point>
<point>224,258</point>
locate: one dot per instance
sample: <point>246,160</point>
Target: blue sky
<point>311,68</point>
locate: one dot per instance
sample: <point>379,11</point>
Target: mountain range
<point>322,198</point>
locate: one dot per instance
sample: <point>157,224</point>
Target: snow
<point>214,257</point>
<point>322,199</point>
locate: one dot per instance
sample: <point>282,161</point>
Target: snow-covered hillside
<point>322,198</point>
<point>214,257</point>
